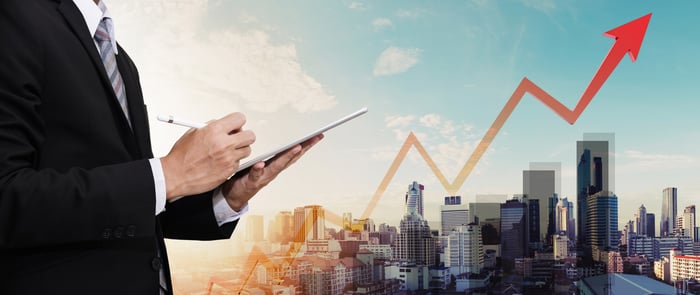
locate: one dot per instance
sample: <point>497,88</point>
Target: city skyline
<point>435,92</point>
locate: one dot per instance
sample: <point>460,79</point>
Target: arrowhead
<point>628,37</point>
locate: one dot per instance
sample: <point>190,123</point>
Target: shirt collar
<point>93,16</point>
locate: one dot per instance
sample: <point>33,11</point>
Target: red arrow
<point>628,38</point>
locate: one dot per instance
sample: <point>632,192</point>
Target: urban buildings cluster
<point>536,240</point>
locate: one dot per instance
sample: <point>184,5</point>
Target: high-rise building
<point>602,222</point>
<point>561,247</point>
<point>669,203</point>
<point>281,229</point>
<point>347,221</point>
<point>565,218</point>
<point>254,228</point>
<point>415,243</point>
<point>465,253</point>
<point>453,214</point>
<point>533,226</point>
<point>414,198</point>
<point>651,225</point>
<point>539,186</point>
<point>591,178</point>
<point>688,226</point>
<point>309,223</point>
<point>640,221</point>
<point>513,229</point>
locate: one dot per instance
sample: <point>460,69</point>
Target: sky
<point>442,70</point>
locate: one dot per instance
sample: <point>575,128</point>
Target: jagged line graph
<point>628,40</point>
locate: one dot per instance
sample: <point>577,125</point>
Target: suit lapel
<point>137,109</point>
<point>75,20</point>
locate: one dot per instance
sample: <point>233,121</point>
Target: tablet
<point>269,155</point>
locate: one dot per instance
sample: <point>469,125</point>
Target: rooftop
<point>624,284</point>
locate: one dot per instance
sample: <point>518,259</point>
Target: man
<point>84,205</point>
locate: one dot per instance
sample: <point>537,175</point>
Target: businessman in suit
<point>84,205</point>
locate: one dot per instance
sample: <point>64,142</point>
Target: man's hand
<point>204,158</point>
<point>239,189</point>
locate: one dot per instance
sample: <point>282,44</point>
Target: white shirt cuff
<point>222,211</point>
<point>159,182</point>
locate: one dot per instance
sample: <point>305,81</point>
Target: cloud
<point>655,158</point>
<point>357,6</point>
<point>395,60</point>
<point>237,66</point>
<point>410,13</point>
<point>382,23</point>
<point>399,121</point>
<point>545,6</point>
<point>431,120</point>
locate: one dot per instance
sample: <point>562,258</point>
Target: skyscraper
<point>414,198</point>
<point>591,178</point>
<point>465,253</point>
<point>565,219</point>
<point>254,228</point>
<point>640,221</point>
<point>415,243</point>
<point>602,222</point>
<point>651,225</point>
<point>309,223</point>
<point>688,226</point>
<point>533,225</point>
<point>453,214</point>
<point>282,228</point>
<point>513,229</point>
<point>669,203</point>
<point>539,186</point>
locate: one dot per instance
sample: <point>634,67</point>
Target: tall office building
<point>640,221</point>
<point>254,228</point>
<point>309,223</point>
<point>591,177</point>
<point>486,211</point>
<point>602,222</point>
<point>415,243</point>
<point>539,186</point>
<point>669,203</point>
<point>513,229</point>
<point>565,219</point>
<point>465,252</point>
<point>282,228</point>
<point>347,221</point>
<point>651,225</point>
<point>414,198</point>
<point>688,226</point>
<point>534,242</point>
<point>453,214</point>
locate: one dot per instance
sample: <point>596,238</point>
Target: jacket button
<point>119,232</point>
<point>156,264</point>
<point>131,231</point>
<point>107,233</point>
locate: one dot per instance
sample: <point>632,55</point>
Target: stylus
<point>180,121</point>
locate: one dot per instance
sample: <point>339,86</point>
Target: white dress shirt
<point>222,211</point>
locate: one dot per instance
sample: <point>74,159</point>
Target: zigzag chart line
<point>628,39</point>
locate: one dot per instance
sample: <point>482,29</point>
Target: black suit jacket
<point>76,190</point>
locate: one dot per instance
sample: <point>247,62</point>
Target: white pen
<point>180,121</point>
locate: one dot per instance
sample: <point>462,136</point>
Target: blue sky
<point>440,69</point>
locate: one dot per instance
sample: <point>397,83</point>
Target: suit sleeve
<point>43,207</point>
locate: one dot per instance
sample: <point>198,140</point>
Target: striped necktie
<point>109,59</point>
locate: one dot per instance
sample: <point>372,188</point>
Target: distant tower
<point>415,243</point>
<point>465,252</point>
<point>453,214</point>
<point>414,198</point>
<point>640,222</point>
<point>689,222</point>
<point>669,203</point>
<point>309,223</point>
<point>513,229</point>
<point>651,225</point>
<point>591,177</point>
<point>602,222</point>
<point>254,228</point>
